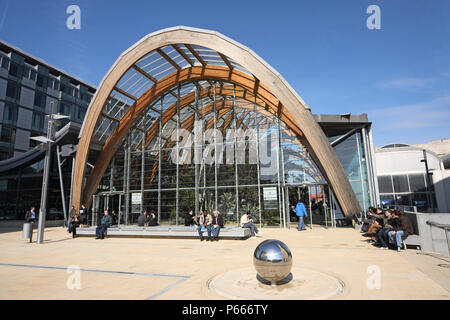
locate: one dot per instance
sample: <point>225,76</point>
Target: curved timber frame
<point>262,83</point>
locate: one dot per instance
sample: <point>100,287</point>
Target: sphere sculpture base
<point>301,284</point>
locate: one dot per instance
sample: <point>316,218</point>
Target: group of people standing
<point>382,225</point>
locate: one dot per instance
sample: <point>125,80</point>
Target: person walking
<point>300,211</point>
<point>104,225</point>
<point>30,216</point>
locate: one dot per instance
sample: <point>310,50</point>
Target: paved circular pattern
<point>301,284</point>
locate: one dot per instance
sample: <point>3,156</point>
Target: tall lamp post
<point>428,173</point>
<point>52,119</point>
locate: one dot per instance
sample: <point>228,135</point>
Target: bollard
<point>27,231</point>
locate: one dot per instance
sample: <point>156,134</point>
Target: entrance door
<point>320,210</point>
<point>297,194</point>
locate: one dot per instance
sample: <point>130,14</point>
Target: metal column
<point>178,155</point>
<point>160,158</point>
<point>127,208</point>
<point>368,167</point>
<point>45,177</point>
<point>360,173</point>
<point>61,184</point>
<point>142,170</point>
<point>235,155</point>
<point>196,177</point>
<point>374,167</point>
<point>257,163</point>
<point>278,175</point>
<point>282,182</point>
<point>216,158</point>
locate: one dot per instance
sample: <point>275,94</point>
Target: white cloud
<point>411,123</point>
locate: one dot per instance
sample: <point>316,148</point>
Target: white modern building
<point>403,179</point>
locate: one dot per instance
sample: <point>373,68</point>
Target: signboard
<point>270,193</point>
<point>270,197</point>
<point>136,198</point>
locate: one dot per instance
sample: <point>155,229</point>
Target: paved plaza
<point>137,268</point>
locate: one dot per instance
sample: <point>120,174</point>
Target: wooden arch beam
<point>278,90</point>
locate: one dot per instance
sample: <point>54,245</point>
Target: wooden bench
<point>165,232</point>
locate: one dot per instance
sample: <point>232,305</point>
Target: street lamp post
<point>52,119</point>
<point>429,182</point>
<point>45,177</point>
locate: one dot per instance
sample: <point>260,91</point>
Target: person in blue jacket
<point>300,210</point>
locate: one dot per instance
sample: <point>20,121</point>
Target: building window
<point>10,113</point>
<point>385,184</point>
<point>8,135</point>
<point>14,69</point>
<point>417,183</point>
<point>53,83</point>
<point>400,183</point>
<point>13,91</point>
<point>5,62</point>
<point>39,100</point>
<point>29,73</point>
<point>40,80</point>
<point>64,108</point>
<point>37,122</point>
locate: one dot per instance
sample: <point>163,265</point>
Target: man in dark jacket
<point>217,223</point>
<point>104,224</point>
<point>141,219</point>
<point>189,219</point>
<point>382,234</point>
<point>402,229</point>
<point>30,216</point>
<point>152,220</point>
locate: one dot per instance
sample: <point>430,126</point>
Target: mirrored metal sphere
<point>272,260</point>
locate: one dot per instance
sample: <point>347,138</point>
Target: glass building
<point>183,126</point>
<point>218,139</point>
<point>27,87</point>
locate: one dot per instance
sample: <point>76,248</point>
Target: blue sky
<point>399,75</point>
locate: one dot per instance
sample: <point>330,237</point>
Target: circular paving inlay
<point>301,284</point>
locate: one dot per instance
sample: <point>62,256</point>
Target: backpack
<point>28,215</point>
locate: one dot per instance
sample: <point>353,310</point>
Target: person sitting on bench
<point>189,219</point>
<point>104,224</point>
<point>217,223</point>
<point>402,229</point>
<point>247,222</point>
<point>152,219</point>
<point>74,224</point>
<point>204,221</point>
<point>142,219</point>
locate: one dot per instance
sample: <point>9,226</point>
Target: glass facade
<point>28,87</point>
<point>231,154</point>
<point>353,158</point>
<point>406,190</point>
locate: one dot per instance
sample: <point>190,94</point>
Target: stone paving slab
<point>186,266</point>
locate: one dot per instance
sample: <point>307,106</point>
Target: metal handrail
<point>446,227</point>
